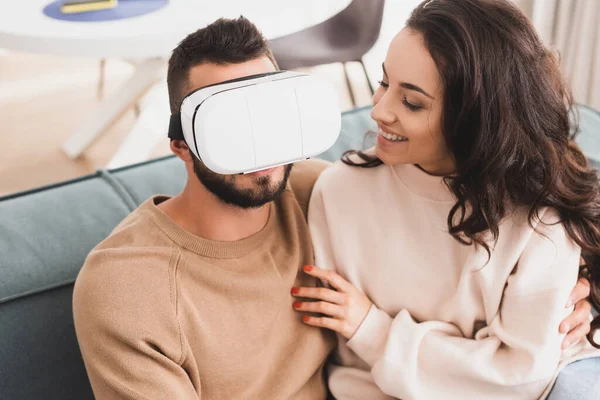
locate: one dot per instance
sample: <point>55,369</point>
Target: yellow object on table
<point>77,6</point>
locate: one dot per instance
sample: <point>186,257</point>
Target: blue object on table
<point>124,9</point>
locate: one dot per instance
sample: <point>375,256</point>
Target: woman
<point>457,240</point>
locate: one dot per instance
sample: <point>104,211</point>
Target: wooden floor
<point>43,99</point>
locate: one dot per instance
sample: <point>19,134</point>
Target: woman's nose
<point>383,114</point>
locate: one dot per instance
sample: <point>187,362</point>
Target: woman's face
<point>408,108</point>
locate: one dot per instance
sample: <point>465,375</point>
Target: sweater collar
<point>422,184</point>
<point>206,247</point>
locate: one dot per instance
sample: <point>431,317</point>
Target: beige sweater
<point>444,325</point>
<point>163,314</point>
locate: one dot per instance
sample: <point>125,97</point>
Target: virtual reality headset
<point>258,122</point>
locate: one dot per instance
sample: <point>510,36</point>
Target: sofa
<point>47,232</point>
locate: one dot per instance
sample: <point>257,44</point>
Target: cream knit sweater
<point>445,324</point>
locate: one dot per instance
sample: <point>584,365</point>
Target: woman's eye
<point>410,106</point>
<point>383,84</point>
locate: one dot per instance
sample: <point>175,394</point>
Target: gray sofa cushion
<point>39,351</point>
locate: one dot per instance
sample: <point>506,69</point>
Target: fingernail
<point>566,344</point>
<point>297,304</point>
<point>295,290</point>
<point>569,303</point>
<point>308,268</point>
<point>305,319</point>
<point>566,328</point>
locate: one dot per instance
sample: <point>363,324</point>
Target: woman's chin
<point>387,158</point>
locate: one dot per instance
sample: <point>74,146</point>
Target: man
<point>189,297</point>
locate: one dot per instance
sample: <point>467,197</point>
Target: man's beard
<point>224,188</point>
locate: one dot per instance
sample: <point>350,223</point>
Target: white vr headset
<point>258,122</point>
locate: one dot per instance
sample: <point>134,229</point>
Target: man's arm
<point>127,328</point>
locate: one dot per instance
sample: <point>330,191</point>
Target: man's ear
<point>181,150</point>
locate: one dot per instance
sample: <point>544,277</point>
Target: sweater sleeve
<point>514,357</point>
<point>130,342</point>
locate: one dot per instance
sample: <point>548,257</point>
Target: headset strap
<point>175,129</point>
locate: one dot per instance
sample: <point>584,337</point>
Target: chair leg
<point>367,76</point>
<point>349,86</point>
<point>101,78</point>
<point>100,90</point>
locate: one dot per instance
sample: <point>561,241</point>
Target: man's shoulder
<point>126,289</point>
<point>303,178</point>
<point>123,286</point>
<point>135,251</point>
<point>108,268</point>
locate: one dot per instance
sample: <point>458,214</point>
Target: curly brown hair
<point>506,121</point>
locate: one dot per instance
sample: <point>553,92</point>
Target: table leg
<point>151,126</point>
<point>145,75</point>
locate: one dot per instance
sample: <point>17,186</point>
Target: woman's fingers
<point>577,324</point>
<point>348,305</point>
<point>324,322</point>
<point>320,307</point>
<point>325,294</point>
<point>580,315</point>
<point>580,292</point>
<point>331,277</point>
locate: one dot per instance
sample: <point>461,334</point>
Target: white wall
<point>395,14</point>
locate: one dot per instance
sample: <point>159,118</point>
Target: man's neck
<point>200,212</point>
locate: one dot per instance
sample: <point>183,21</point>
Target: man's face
<point>248,190</point>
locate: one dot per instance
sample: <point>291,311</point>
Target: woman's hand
<point>344,309</point>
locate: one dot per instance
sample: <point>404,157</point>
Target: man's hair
<point>225,41</point>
